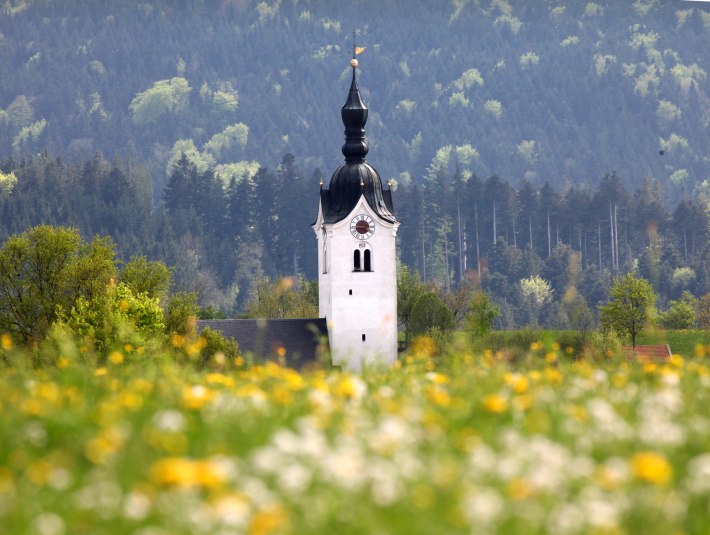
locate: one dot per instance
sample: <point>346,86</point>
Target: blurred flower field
<point>468,444</point>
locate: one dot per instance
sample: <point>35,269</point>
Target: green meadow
<point>466,442</point>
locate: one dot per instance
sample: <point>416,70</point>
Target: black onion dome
<point>355,177</point>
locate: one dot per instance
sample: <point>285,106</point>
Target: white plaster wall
<point>372,308</point>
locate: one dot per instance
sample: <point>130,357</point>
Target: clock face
<point>362,226</point>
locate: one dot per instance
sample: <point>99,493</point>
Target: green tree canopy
<point>409,288</point>
<point>45,270</point>
<point>166,96</point>
<point>429,313</point>
<point>681,313</point>
<point>282,300</point>
<point>482,314</point>
<point>145,276</point>
<point>630,306</point>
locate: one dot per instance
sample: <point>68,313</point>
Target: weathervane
<point>356,51</point>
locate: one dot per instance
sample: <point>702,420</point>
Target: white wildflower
<point>136,506</point>
<point>483,506</point>
<point>49,524</point>
<point>698,480</point>
<point>169,420</point>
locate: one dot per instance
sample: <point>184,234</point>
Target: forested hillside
<point>539,147</point>
<point>558,91</point>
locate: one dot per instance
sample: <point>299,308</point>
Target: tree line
<point>537,251</point>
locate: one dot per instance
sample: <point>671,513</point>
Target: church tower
<point>357,270</point>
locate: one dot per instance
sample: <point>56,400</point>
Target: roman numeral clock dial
<point>362,226</point>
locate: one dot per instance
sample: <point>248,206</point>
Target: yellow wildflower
<point>553,375</point>
<point>520,489</point>
<point>269,520</point>
<point>439,396</point>
<point>183,472</point>
<point>38,472</point>
<point>195,397</point>
<point>6,341</point>
<point>220,379</point>
<point>495,403</point>
<point>423,347</point>
<point>651,467</point>
<point>115,357</point>
<point>676,361</point>
<point>649,368</point>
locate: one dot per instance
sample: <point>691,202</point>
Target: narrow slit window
<point>325,257</point>
<point>363,337</point>
<point>368,260</point>
<point>356,260</point>
<point>350,292</point>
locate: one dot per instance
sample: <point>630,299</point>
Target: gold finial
<point>356,51</point>
<point>321,182</point>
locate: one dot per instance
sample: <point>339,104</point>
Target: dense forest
<point>551,90</point>
<point>536,148</point>
<point>536,250</point>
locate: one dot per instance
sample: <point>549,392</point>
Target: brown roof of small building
<point>648,352</point>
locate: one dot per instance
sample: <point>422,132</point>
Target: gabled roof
<point>304,341</point>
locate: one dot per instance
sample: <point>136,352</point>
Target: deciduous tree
<point>630,306</point>
<point>45,270</point>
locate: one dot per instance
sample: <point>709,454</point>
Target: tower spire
<point>354,116</point>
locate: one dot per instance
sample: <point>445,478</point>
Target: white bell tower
<point>357,269</point>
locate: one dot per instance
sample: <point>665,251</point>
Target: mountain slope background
<point>549,91</point>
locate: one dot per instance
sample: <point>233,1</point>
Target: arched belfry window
<point>368,260</point>
<point>356,260</point>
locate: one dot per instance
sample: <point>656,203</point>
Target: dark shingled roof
<point>345,191</point>
<point>305,340</point>
<point>355,177</point>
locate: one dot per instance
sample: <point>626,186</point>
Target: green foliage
<point>181,313</point>
<point>578,314</point>
<point>409,288</point>
<point>223,144</point>
<point>604,344</point>
<point>28,135</point>
<point>45,270</point>
<point>630,307</point>
<point>681,314</point>
<point>429,312</point>
<point>703,311</point>
<point>186,148</point>
<point>148,277</point>
<point>482,314</point>
<point>116,318</point>
<point>282,300</point>
<point>535,294</point>
<point>166,96</point>
<point>217,350</point>
<point>7,183</point>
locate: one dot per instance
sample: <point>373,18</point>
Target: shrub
<point>681,314</point>
<point>604,344</point>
